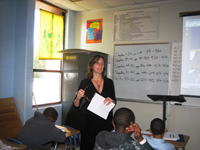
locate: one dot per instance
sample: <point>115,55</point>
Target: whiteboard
<point>140,70</point>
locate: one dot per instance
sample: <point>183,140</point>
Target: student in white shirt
<point>157,128</point>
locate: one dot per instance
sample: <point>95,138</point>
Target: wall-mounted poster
<point>94,31</point>
<point>136,24</point>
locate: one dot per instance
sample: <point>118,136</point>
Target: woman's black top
<point>89,123</point>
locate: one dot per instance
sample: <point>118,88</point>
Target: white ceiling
<point>91,5</point>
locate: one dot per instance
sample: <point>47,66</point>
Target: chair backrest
<point>10,123</point>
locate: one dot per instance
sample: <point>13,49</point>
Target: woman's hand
<point>79,95</point>
<point>107,101</point>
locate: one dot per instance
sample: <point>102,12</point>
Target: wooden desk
<point>177,144</point>
<point>69,133</point>
<point>180,144</point>
<point>13,144</point>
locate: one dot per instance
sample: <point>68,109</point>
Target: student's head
<point>157,126</point>
<point>123,118</point>
<point>95,60</point>
<point>51,114</point>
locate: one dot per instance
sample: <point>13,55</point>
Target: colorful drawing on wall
<point>94,31</point>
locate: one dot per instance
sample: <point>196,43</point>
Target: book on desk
<point>171,136</point>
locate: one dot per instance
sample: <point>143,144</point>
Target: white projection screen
<point>190,76</point>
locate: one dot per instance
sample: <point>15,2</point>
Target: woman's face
<point>98,66</point>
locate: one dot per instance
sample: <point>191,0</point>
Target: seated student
<point>40,130</point>
<point>120,139</point>
<point>157,128</point>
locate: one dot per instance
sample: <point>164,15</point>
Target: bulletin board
<point>141,69</point>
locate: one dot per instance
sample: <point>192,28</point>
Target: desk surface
<point>68,132</point>
<point>177,143</point>
<point>180,144</point>
<point>13,144</point>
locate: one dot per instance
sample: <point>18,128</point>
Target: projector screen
<point>190,76</point>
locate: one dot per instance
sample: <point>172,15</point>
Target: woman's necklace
<point>98,84</point>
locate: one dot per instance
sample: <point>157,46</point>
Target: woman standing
<point>95,82</point>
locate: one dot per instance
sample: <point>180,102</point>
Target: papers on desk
<point>64,129</point>
<point>171,136</point>
<point>96,106</point>
<point>6,147</point>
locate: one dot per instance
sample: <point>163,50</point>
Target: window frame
<point>55,10</point>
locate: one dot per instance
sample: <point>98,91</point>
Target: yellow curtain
<point>51,36</point>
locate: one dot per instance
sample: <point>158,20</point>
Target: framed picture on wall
<point>94,31</point>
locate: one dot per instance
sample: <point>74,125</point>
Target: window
<point>46,73</point>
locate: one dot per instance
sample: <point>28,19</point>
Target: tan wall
<point>181,119</point>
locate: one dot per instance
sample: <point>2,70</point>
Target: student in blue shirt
<point>157,128</point>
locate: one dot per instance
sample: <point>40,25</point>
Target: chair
<point>13,140</point>
<point>76,138</point>
<point>10,123</point>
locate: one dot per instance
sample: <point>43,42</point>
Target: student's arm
<point>53,133</point>
<point>138,136</point>
<point>142,140</point>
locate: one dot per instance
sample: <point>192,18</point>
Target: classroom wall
<point>7,30</point>
<point>16,55</point>
<point>16,48</point>
<point>70,29</point>
<point>181,119</point>
<point>16,28</point>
